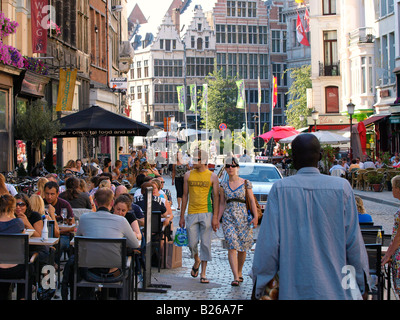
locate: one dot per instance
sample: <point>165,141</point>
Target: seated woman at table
<point>75,197</point>
<point>122,207</point>
<point>32,220</point>
<point>37,204</point>
<point>10,224</point>
<point>362,215</point>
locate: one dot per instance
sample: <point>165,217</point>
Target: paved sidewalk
<point>384,197</point>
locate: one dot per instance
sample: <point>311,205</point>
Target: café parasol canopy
<point>97,121</point>
<point>324,137</point>
<point>279,133</point>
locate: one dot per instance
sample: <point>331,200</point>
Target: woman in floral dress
<point>393,253</point>
<point>235,224</point>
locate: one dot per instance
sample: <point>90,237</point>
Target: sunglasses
<point>231,166</point>
<point>20,204</point>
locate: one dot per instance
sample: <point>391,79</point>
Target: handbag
<point>248,205</point>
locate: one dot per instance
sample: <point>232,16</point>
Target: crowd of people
<point>307,215</point>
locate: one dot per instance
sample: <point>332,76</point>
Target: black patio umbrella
<point>97,121</point>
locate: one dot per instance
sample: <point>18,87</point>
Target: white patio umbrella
<point>324,137</point>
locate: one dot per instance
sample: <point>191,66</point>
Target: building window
<point>192,42</point>
<point>242,34</point>
<point>3,110</point>
<point>363,75</point>
<point>231,8</point>
<point>139,69</point>
<point>139,92</point>
<point>330,48</point>
<point>220,33</point>
<point>243,66</point>
<point>231,33</point>
<point>252,9</point>
<point>329,7</point>
<point>167,45</point>
<point>199,44</point>
<point>132,93</point>
<point>276,41</point>
<point>241,11</point>
<point>199,27</point>
<point>207,42</point>
<point>165,93</point>
<point>161,44</point>
<point>146,68</point>
<point>332,99</point>
<point>252,33</point>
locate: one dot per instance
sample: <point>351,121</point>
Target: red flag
<point>307,21</point>
<point>274,92</point>
<point>301,35</point>
<point>39,33</point>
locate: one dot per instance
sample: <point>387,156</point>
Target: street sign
<point>258,143</point>
<point>222,127</point>
<point>119,83</point>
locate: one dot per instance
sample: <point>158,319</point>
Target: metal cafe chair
<point>14,249</point>
<point>102,253</point>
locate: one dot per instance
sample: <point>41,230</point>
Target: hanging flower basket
<point>55,30</point>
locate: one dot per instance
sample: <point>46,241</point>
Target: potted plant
<point>376,181</point>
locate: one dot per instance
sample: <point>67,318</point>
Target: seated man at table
<point>51,197</point>
<point>104,224</point>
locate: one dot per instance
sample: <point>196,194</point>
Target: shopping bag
<point>181,238</point>
<point>173,256</point>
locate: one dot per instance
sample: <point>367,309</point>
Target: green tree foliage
<point>222,95</point>
<point>297,103</point>
<point>35,124</point>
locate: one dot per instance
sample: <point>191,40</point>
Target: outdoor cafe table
<point>37,241</point>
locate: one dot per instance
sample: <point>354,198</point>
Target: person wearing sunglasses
<point>235,225</point>
<point>201,194</point>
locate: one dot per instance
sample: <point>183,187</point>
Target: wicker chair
<point>366,178</point>
<point>353,177</point>
<point>389,175</point>
<point>360,179</point>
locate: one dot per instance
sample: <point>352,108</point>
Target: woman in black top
<point>122,207</point>
<point>75,197</point>
<point>10,224</point>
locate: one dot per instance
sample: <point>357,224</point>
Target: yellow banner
<point>66,89</point>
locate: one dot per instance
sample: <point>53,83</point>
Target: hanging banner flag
<point>66,89</point>
<point>205,96</point>
<point>307,21</point>
<point>39,30</point>
<point>259,92</point>
<point>274,92</point>
<point>181,98</point>
<point>241,99</point>
<point>301,35</point>
<point>193,97</point>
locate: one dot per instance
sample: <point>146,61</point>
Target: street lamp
<point>301,118</point>
<point>315,116</point>
<point>350,111</point>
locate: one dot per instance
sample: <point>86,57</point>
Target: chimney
<point>176,15</point>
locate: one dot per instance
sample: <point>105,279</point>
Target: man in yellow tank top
<point>201,190</point>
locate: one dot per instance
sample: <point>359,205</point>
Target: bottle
<point>379,237</point>
<point>45,230</point>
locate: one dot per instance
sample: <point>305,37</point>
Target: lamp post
<point>301,118</point>
<point>315,116</point>
<point>350,111</point>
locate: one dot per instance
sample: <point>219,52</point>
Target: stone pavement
<point>384,197</point>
